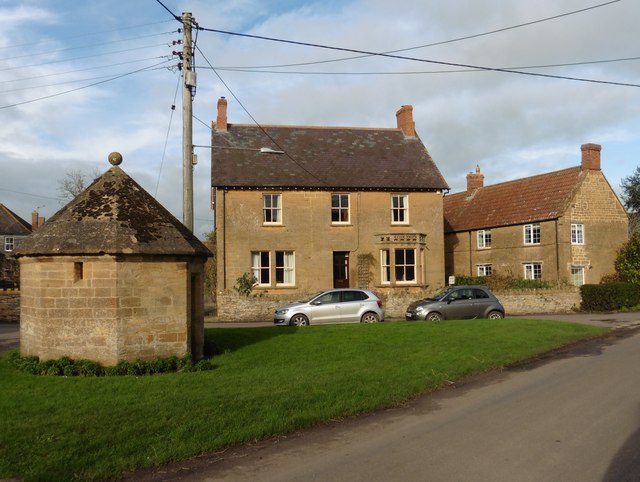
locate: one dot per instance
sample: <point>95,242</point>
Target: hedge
<point>610,296</point>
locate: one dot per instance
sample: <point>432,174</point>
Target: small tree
<point>245,283</point>
<point>74,182</point>
<point>631,191</point>
<point>627,262</point>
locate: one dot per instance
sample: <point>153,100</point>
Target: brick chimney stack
<point>475,180</point>
<point>221,121</point>
<point>36,220</point>
<point>590,157</point>
<point>405,121</point>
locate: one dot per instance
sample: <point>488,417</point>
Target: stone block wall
<point>105,309</point>
<point>10,306</point>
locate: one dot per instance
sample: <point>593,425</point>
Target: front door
<point>341,269</point>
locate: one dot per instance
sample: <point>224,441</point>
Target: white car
<point>340,305</point>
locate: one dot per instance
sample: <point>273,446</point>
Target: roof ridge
<point>521,179</point>
<point>280,126</point>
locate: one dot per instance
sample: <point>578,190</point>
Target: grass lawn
<point>266,381</point>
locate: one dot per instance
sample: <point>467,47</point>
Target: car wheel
<point>299,320</point>
<point>370,317</point>
<point>495,315</point>
<point>434,316</point>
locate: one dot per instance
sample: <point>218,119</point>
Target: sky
<point>79,80</point>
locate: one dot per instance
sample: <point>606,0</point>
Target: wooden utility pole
<point>189,78</point>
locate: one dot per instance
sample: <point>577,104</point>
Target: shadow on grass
<point>225,340</point>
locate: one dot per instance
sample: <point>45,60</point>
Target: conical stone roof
<point>114,215</point>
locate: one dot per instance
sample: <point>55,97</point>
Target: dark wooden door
<point>341,269</point>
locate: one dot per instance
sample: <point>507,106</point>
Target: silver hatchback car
<point>340,305</point>
<point>457,303</point>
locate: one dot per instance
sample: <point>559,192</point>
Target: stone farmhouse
<point>112,276</point>
<point>308,208</point>
<point>563,226</point>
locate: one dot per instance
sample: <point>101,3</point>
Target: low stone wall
<point>260,307</point>
<point>540,301</point>
<point>10,306</point>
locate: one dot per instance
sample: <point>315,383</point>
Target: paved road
<point>575,417</point>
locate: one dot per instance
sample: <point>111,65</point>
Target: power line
<point>166,140</point>
<point>410,72</point>
<point>170,12</point>
<point>257,123</point>
<point>87,46</point>
<point>458,39</point>
<point>83,57</point>
<point>54,74</point>
<point>31,44</point>
<point>415,59</point>
<point>66,82</point>
<point>83,87</point>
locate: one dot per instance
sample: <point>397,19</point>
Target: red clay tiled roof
<point>532,199</point>
<point>322,158</point>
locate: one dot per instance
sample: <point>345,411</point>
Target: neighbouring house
<point>307,208</point>
<point>563,226</point>
<point>112,276</point>
<point>13,229</point>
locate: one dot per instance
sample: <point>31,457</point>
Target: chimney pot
<point>475,180</point>
<point>221,121</point>
<point>590,157</point>
<point>404,117</point>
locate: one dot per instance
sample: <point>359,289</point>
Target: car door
<point>460,304</point>
<point>482,302</point>
<point>351,306</point>
<point>325,308</point>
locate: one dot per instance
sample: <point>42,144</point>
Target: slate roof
<point>532,199</point>
<point>114,215</point>
<point>12,224</point>
<point>342,158</point>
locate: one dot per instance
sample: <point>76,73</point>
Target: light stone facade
<point>116,309</point>
<point>308,232</point>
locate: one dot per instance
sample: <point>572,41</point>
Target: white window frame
<point>577,275</point>
<point>287,268</point>
<point>533,270</point>
<point>484,239</point>
<point>531,232</point>
<point>399,209</point>
<point>385,266</point>
<point>484,269</point>
<point>405,266</point>
<point>258,268</point>
<point>271,212</point>
<point>9,243</point>
<point>340,209</point>
<point>577,233</point>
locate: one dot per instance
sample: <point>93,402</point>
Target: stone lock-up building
<point>309,208</point>
<point>564,226</point>
<point>112,276</point>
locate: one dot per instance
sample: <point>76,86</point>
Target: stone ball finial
<point>115,158</point>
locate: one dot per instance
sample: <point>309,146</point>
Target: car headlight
<point>420,309</point>
<point>282,312</point>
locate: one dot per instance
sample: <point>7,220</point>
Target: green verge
<point>266,381</point>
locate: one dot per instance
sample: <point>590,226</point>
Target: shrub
<point>609,297</point>
<point>627,261</point>
<point>65,366</point>
<point>245,283</point>
<point>498,282</point>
